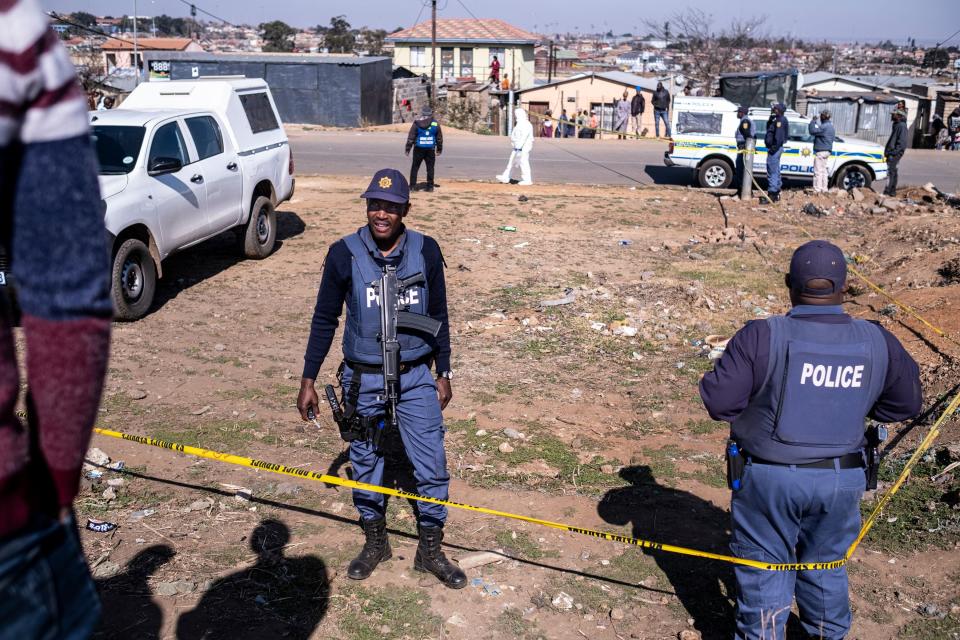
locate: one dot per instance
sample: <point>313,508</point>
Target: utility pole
<point>433,55</point>
<point>550,63</point>
<point>136,48</point>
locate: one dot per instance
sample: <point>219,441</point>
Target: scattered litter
<point>143,513</point>
<point>507,227</point>
<point>109,494</point>
<point>624,330</point>
<point>563,601</point>
<point>239,493</point>
<point>116,466</point>
<point>522,198</point>
<point>813,210</point>
<point>597,326</point>
<point>115,482</point>
<point>521,245</point>
<point>94,474</point>
<point>625,243</point>
<point>476,582</point>
<point>513,434</point>
<point>97,457</point>
<point>100,526</point>
<point>569,296</point>
<point>202,410</point>
<point>479,559</point>
<point>473,240</point>
<point>463,267</point>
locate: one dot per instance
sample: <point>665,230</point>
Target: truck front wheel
<point>134,280</point>
<point>261,233</point>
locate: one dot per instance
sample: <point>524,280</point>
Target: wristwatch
<point>445,374</point>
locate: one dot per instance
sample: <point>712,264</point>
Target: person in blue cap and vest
<point>796,390</point>
<point>778,132</point>
<point>352,264</point>
<point>426,140</point>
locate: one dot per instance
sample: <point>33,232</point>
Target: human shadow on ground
<point>277,597</point>
<point>128,608</point>
<point>659,513</point>
<point>192,266</point>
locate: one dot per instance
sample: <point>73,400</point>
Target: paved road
<point>626,162</point>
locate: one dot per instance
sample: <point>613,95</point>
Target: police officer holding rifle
<point>392,281</point>
<point>796,390</point>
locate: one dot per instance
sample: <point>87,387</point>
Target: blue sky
<point>928,21</point>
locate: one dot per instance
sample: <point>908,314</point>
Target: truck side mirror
<point>162,165</point>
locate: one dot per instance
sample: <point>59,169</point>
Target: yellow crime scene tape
<point>868,523</point>
<point>297,472</point>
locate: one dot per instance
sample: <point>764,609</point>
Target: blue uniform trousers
<point>774,183</point>
<point>422,433</point>
<point>784,515</point>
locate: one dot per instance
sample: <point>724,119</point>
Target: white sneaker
<point>505,179</point>
<point>524,183</point>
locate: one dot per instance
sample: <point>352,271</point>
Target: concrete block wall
<point>413,89</point>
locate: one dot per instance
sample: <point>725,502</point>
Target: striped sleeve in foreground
<point>40,99</point>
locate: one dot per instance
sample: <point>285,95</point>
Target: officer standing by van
<point>778,131</point>
<point>823,136</point>
<point>351,265</point>
<point>426,140</point>
<point>894,150</point>
<point>796,390</point>
<point>744,132</point>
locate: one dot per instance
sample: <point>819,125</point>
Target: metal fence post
<point>746,187</point>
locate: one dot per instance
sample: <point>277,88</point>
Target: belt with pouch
<point>405,367</point>
<point>848,461</point>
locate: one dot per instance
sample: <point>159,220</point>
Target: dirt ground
<point>600,395</point>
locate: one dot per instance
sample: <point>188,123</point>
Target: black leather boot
<point>375,550</point>
<point>775,196</point>
<point>431,559</point>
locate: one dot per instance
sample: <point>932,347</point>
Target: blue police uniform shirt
<point>796,389</point>
<point>337,287</point>
<point>777,133</point>
<point>362,327</point>
<point>427,138</point>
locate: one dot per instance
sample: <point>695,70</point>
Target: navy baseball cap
<point>389,185</point>
<point>818,259</point>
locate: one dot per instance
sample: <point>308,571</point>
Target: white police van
<point>703,140</point>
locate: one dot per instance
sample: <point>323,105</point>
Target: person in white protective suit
<point>522,142</point>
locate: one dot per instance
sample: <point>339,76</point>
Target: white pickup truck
<point>181,162</point>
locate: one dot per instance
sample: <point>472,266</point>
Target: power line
<point>194,8</point>
<point>56,16</point>
<point>951,37</point>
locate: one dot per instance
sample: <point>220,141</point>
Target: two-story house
<point>465,49</point>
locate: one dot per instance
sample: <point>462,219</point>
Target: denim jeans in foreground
<point>46,592</point>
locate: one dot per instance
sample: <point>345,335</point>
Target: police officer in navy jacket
<point>351,265</point>
<point>426,141</point>
<point>796,390</point>
<point>776,136</point>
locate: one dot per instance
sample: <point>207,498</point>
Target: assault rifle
<point>391,290</point>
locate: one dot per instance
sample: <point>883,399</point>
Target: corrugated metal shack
<point>341,91</point>
<point>865,116</point>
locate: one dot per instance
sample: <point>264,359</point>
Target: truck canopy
<point>245,103</point>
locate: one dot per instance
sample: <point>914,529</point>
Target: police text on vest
<point>832,377</point>
<point>409,297</point>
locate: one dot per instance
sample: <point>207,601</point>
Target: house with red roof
<point>118,54</point>
<point>465,49</point>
